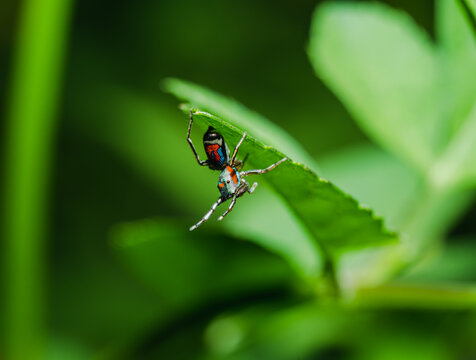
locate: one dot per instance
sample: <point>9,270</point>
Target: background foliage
<point>99,187</point>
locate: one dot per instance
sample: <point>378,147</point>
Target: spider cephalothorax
<point>230,182</point>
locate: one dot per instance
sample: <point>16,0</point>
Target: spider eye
<point>228,181</point>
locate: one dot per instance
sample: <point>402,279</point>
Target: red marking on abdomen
<point>232,174</point>
<point>214,149</point>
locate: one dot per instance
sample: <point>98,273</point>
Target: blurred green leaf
<point>140,131</point>
<point>188,269</point>
<point>312,330</point>
<point>458,62</point>
<point>383,67</point>
<point>293,332</point>
<point>60,349</point>
<point>457,165</point>
<point>472,6</point>
<point>226,108</point>
<point>366,172</point>
<point>334,219</point>
<point>451,262</point>
<point>453,29</point>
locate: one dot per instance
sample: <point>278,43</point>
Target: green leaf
<point>226,108</point>
<point>472,6</point>
<point>457,41</point>
<point>266,220</point>
<point>188,272</point>
<point>335,220</point>
<point>291,332</point>
<point>383,67</point>
<point>453,28</point>
<point>309,328</point>
<point>375,178</point>
<point>456,165</point>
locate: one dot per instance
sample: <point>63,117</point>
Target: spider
<point>230,182</point>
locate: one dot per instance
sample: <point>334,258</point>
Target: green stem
<point>425,296</point>
<point>32,105</point>
<point>331,276</point>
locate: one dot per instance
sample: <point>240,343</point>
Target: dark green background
<point>254,51</point>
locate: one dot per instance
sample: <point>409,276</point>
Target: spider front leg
<point>262,171</point>
<point>237,147</point>
<point>208,214</point>
<point>253,187</point>
<point>232,205</point>
<point>200,162</point>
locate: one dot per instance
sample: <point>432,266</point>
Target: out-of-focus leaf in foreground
<point>261,333</point>
<point>334,219</point>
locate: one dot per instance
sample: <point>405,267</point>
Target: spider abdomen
<point>217,151</point>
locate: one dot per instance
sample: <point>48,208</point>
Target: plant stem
<point>32,105</point>
<point>331,274</point>
<point>424,296</point>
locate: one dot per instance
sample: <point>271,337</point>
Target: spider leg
<point>200,162</point>
<point>233,202</point>
<point>253,187</point>
<point>239,164</point>
<point>237,147</point>
<point>208,214</point>
<point>262,171</point>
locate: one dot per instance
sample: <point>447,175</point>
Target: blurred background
<point>100,188</point>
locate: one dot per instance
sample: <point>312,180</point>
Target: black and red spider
<point>230,182</point>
